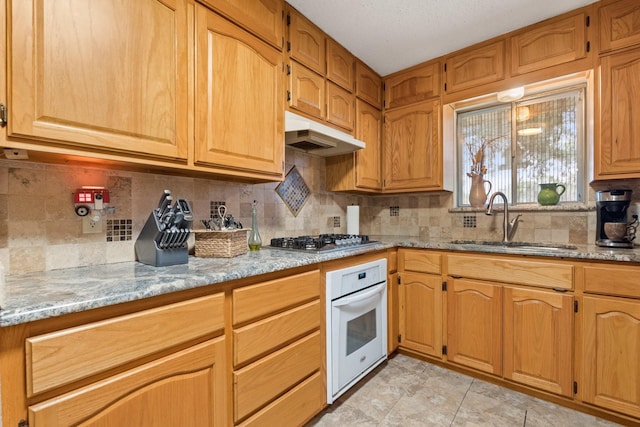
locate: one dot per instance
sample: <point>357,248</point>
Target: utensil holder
<point>224,243</point>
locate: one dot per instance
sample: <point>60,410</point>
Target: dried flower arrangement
<point>477,152</point>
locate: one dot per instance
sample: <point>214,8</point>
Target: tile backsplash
<point>40,231</point>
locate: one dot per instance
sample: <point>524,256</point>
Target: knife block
<point>147,249</point>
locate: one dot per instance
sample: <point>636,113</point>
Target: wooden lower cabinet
<point>474,324</point>
<point>185,388</point>
<point>538,338</point>
<point>421,313</point>
<point>611,345</point>
<point>278,351</point>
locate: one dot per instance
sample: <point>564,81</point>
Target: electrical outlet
<point>90,226</point>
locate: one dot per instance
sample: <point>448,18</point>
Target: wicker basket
<point>225,243</point>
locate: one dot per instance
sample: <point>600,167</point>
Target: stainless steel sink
<point>522,246</point>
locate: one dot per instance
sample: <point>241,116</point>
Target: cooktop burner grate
<point>322,243</point>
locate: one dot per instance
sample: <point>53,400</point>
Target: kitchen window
<point>519,145</point>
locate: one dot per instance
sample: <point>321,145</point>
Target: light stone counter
<point>42,295</point>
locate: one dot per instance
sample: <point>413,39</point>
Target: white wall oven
<point>356,324</point>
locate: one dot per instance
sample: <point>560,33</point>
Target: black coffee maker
<point>611,216</point>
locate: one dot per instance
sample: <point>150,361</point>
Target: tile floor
<point>409,392</point>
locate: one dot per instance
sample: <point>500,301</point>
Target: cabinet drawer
<point>533,273</point>
<point>266,335</point>
<point>420,261</point>
<point>618,280</point>
<point>257,301</point>
<point>65,356</point>
<point>265,380</point>
<point>145,393</point>
<point>294,408</point>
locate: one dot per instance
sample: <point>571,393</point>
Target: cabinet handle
<point>559,290</point>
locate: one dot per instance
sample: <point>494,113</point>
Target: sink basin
<point>524,246</point>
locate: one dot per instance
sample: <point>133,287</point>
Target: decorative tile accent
<point>293,191</point>
<point>119,230</point>
<point>213,209</point>
<point>394,210</point>
<point>336,221</point>
<point>469,221</point>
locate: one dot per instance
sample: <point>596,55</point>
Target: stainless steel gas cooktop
<point>322,243</point>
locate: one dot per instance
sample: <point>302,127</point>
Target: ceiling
<point>390,35</point>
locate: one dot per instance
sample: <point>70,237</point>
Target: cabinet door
<point>611,344</point>
<point>413,148</point>
<point>306,90</point>
<point>340,65</point>
<point>362,170</point>
<point>239,103</point>
<point>306,42</point>
<point>89,74</point>
<point>619,24</point>
<point>474,67</point>
<point>538,337</point>
<point>341,107</point>
<point>474,324</point>
<point>261,17</point>
<point>619,149</point>
<point>547,45</point>
<point>421,313</point>
<point>368,85</point>
<point>409,87</point>
<point>185,388</point>
<point>369,159</point>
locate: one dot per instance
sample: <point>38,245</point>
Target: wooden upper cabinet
<point>306,90</point>
<point>239,107</point>
<point>413,148</point>
<point>306,42</point>
<point>341,107</point>
<point>368,85</point>
<point>360,171</point>
<point>618,149</point>
<point>619,25</point>
<point>340,65</point>
<point>90,75</point>
<point>415,85</point>
<point>475,66</point>
<point>369,159</point>
<point>553,43</point>
<point>264,18</point>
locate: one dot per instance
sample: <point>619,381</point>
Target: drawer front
<point>421,261</point>
<point>65,356</point>
<point>266,335</point>
<point>149,389</point>
<point>533,273</point>
<point>257,301</point>
<point>294,408</point>
<point>265,380</point>
<point>610,280</point>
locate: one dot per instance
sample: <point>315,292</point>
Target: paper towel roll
<point>353,219</point>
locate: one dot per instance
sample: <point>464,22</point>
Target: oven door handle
<point>362,297</point>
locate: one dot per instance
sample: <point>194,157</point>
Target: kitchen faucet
<point>508,227</point>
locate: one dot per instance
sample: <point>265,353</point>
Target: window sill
<point>562,207</point>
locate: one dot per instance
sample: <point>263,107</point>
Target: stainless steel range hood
<point>315,138</point>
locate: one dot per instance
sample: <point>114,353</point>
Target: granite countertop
<point>42,295</point>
